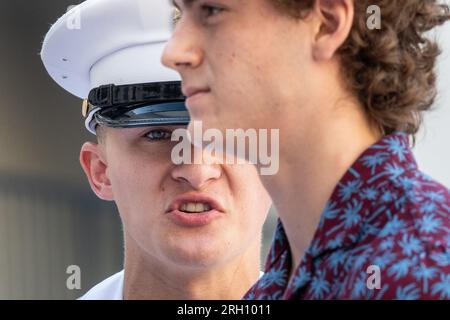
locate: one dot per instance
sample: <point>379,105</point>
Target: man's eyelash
<point>210,11</point>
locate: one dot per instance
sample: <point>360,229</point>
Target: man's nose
<point>183,48</point>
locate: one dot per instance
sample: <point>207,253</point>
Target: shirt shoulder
<point>420,220</point>
<point>409,258</point>
<point>394,274</point>
<point>410,250</point>
<point>109,289</point>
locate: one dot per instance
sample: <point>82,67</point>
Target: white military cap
<point>109,41</point>
<point>116,42</point>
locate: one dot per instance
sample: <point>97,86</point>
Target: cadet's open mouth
<point>195,203</point>
<point>195,207</point>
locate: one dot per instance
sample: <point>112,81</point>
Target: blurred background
<point>49,218</point>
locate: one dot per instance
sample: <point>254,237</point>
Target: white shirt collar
<point>111,288</point>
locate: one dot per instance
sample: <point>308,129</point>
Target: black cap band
<point>158,92</point>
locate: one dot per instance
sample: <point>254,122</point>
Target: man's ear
<point>94,166</point>
<point>335,20</point>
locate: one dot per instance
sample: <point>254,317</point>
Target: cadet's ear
<point>335,20</point>
<point>94,166</point>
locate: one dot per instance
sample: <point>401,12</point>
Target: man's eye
<point>210,11</point>
<point>158,134</point>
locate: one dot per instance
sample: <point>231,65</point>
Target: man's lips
<point>189,91</point>
<point>193,93</point>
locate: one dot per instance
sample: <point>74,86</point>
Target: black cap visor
<point>167,113</point>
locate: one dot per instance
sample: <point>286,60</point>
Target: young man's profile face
<point>236,53</point>
<point>133,167</point>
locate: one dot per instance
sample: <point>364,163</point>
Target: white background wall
<point>433,142</point>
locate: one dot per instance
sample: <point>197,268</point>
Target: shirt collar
<point>382,178</point>
<point>344,221</point>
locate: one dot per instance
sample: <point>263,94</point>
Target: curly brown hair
<point>390,70</point>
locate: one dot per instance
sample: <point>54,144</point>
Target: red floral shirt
<point>385,234</point>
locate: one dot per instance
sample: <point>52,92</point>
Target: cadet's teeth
<point>195,207</point>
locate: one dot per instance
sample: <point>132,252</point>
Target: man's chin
<point>200,128</point>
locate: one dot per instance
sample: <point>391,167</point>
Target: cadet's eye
<point>158,134</point>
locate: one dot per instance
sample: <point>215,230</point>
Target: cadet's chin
<point>197,254</point>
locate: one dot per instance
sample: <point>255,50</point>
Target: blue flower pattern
<point>383,212</point>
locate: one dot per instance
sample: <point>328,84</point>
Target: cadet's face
<point>236,53</point>
<point>146,186</point>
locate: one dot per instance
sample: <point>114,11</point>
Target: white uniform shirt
<point>110,288</point>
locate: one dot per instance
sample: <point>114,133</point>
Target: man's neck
<point>150,279</point>
<point>311,169</point>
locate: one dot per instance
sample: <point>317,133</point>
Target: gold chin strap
<point>86,107</point>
